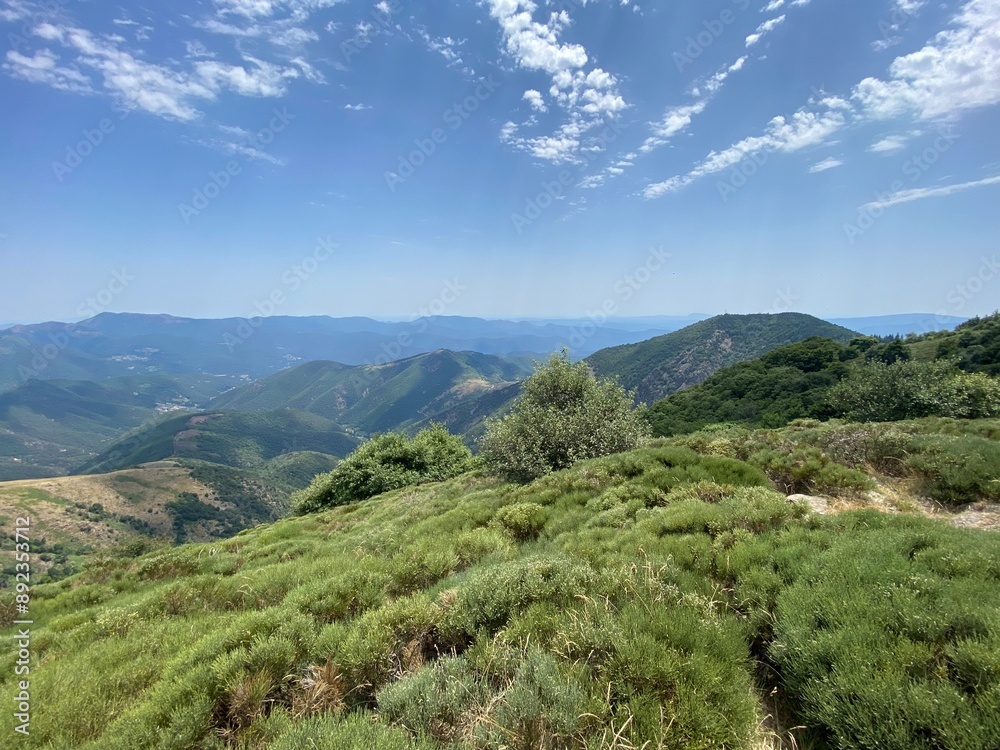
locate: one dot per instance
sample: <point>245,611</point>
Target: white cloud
<point>763,29</point>
<point>159,89</point>
<point>43,67</point>
<point>915,194</point>
<point>356,107</point>
<point>588,97</point>
<point>828,163</point>
<point>804,129</point>
<point>534,98</point>
<point>889,144</point>
<point>958,70</point>
<point>679,118</point>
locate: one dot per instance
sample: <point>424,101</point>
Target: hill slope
<point>48,427</point>
<point>378,398</point>
<point>658,598</point>
<point>794,381</point>
<point>666,364</point>
<point>246,441</point>
<point>137,508</point>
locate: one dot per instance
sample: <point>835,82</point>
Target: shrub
<point>957,470</point>
<point>888,639</point>
<point>905,389</point>
<point>563,414</point>
<point>387,462</point>
<point>522,521</point>
<point>806,468</point>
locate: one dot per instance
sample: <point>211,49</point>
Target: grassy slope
<point>613,599</point>
<point>665,364</point>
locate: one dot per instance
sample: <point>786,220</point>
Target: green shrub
<point>957,470</point>
<point>387,462</point>
<point>808,469</point>
<point>889,639</point>
<point>907,389</point>
<point>522,521</point>
<point>438,699</point>
<point>564,414</point>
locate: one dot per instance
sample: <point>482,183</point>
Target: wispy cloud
<point>916,194</point>
<point>804,129</point>
<point>828,163</point>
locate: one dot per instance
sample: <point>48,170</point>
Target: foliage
<point>665,364</point>
<point>907,389</point>
<point>660,597</point>
<point>384,463</point>
<point>564,414</point>
<point>788,383</point>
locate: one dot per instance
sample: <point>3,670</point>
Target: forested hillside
<point>665,364</point>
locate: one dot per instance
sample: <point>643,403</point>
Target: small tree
<point>564,414</point>
<point>387,462</point>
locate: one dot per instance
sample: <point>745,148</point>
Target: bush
<point>564,414</point>
<point>905,389</point>
<point>888,639</point>
<point>387,462</point>
<point>957,470</point>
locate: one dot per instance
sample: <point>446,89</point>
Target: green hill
<point>48,427</point>
<point>666,364</point>
<point>795,381</point>
<point>379,398</point>
<point>245,441</point>
<point>667,597</point>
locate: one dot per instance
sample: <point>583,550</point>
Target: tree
<point>564,414</point>
<point>906,389</point>
<point>387,462</point>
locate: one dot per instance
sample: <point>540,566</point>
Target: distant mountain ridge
<point>666,364</point>
<point>119,344</point>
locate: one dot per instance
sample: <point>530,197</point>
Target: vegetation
<point>665,597</point>
<point>666,364</point>
<point>907,389</point>
<point>564,414</point>
<point>401,395</point>
<point>243,441</point>
<point>937,374</point>
<point>387,462</point>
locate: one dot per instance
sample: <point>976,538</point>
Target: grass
<point>659,598</point>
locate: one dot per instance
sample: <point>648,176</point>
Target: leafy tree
<point>564,414</point>
<point>387,462</point>
<point>906,389</point>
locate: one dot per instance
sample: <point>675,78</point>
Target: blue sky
<point>499,158</point>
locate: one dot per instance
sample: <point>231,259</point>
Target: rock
<point>816,504</point>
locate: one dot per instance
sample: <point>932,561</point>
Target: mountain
<point>785,384</point>
<point>793,381</point>
<point>438,385</point>
<point>47,427</point>
<point>234,439</point>
<point>118,344</point>
<point>665,364</point>
<point>899,325</point>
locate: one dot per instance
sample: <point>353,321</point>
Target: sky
<point>499,158</point>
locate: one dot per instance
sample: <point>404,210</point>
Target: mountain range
<point>151,374</point>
